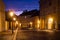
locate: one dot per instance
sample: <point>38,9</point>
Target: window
<point>25,17</point>
<point>50,3</point>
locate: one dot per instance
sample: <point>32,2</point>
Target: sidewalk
<point>6,35</point>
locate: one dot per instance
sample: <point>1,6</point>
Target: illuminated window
<point>25,16</point>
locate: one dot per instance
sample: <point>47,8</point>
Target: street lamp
<point>11,14</point>
<point>14,19</point>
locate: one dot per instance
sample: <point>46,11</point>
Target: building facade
<point>30,19</point>
<point>35,22</point>
<point>29,22</point>
<point>24,20</point>
<point>2,16</point>
<point>49,14</point>
<point>10,21</point>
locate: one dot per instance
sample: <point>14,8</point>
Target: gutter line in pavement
<point>15,34</point>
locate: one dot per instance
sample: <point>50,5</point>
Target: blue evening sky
<point>20,5</point>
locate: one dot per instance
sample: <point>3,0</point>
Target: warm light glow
<point>20,24</point>
<point>16,22</point>
<point>50,31</point>
<point>38,23</point>
<point>11,14</point>
<point>31,23</point>
<point>14,19</point>
<point>50,22</point>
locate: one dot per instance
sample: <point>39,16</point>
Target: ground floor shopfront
<point>48,22</point>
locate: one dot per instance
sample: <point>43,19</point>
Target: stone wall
<point>50,8</point>
<point>2,16</point>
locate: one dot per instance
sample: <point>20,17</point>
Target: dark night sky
<point>19,5</point>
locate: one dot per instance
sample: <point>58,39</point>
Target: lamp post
<point>17,24</point>
<point>14,19</point>
<point>11,15</point>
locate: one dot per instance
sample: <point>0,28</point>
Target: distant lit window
<point>25,16</point>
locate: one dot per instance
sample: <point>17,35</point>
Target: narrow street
<point>29,19</point>
<point>37,35</point>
